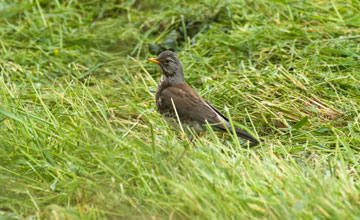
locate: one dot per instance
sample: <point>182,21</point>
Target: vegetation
<point>81,138</point>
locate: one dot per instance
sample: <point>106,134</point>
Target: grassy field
<point>80,137</point>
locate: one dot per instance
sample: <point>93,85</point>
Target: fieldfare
<point>177,101</point>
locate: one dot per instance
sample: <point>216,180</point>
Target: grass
<point>81,138</point>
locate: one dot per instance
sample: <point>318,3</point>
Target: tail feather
<point>245,135</point>
<point>241,134</point>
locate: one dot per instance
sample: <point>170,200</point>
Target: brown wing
<point>189,105</point>
<point>217,111</point>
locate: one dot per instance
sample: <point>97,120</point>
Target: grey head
<point>170,67</point>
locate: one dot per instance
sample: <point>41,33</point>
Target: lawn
<point>80,136</point>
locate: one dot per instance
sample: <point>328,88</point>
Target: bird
<point>178,101</point>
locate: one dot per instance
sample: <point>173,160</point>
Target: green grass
<point>81,138</point>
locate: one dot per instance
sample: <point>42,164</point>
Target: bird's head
<point>170,66</point>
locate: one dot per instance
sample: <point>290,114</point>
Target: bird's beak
<point>154,60</point>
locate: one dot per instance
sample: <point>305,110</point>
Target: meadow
<point>80,136</point>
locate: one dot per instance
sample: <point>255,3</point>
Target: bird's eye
<point>167,61</point>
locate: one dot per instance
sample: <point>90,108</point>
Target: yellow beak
<point>153,60</point>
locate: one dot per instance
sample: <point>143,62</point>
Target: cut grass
<point>80,136</point>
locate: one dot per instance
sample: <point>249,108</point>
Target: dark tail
<point>241,134</point>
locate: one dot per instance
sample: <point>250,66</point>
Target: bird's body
<point>176,100</point>
<point>180,95</point>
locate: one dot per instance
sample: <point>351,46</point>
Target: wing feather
<point>191,106</point>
